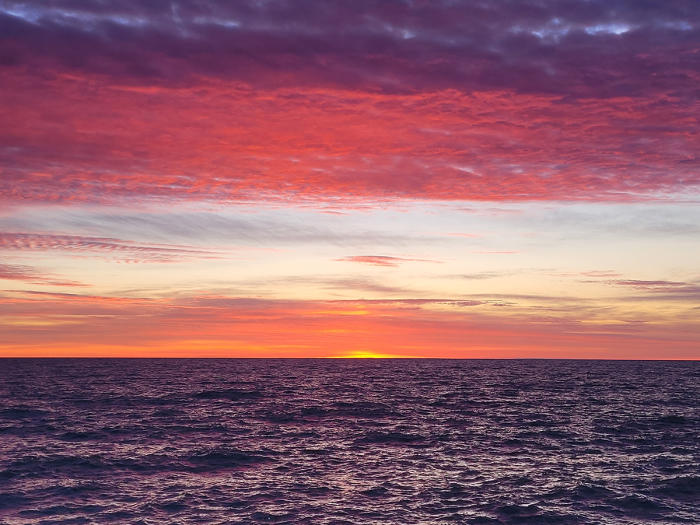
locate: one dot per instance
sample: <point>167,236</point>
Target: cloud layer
<point>588,49</point>
<point>441,100</point>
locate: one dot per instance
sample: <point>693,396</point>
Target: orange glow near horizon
<point>221,327</point>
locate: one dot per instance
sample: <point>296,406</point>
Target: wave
<point>256,441</point>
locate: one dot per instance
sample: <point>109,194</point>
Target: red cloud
<point>85,138</point>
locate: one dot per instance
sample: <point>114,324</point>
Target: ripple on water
<point>357,442</point>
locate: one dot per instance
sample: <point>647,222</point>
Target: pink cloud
<point>28,274</point>
<point>315,144</point>
<point>128,251</point>
<point>381,260</point>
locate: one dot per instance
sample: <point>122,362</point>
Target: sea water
<point>348,441</point>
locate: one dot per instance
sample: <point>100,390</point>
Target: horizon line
<point>331,358</point>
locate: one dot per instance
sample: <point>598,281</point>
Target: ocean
<point>159,441</point>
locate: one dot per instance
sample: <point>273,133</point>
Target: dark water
<point>348,441</point>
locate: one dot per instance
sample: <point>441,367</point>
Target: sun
<point>367,354</point>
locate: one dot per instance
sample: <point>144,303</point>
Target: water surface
<point>348,441</point>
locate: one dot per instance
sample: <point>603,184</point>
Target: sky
<point>453,179</point>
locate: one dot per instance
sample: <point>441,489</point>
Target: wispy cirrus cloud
<point>601,273</point>
<point>478,276</point>
<point>650,290</point>
<point>29,274</point>
<point>662,289</point>
<point>218,226</point>
<point>381,260</point>
<point>649,285</point>
<point>126,251</point>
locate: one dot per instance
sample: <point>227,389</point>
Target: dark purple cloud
<point>589,49</point>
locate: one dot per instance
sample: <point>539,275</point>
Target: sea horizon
<point>363,358</point>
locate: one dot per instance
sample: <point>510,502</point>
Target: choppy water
<point>348,441</point>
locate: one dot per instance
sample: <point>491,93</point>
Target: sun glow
<point>367,354</point>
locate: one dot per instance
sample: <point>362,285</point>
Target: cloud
<point>649,285</point>
<point>244,228</point>
<point>121,250</point>
<point>654,290</point>
<point>250,101</point>
<point>550,46</point>
<point>335,146</point>
<point>28,274</point>
<point>481,275</point>
<point>661,290</point>
<point>361,285</point>
<point>600,273</point>
<point>380,260</point>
